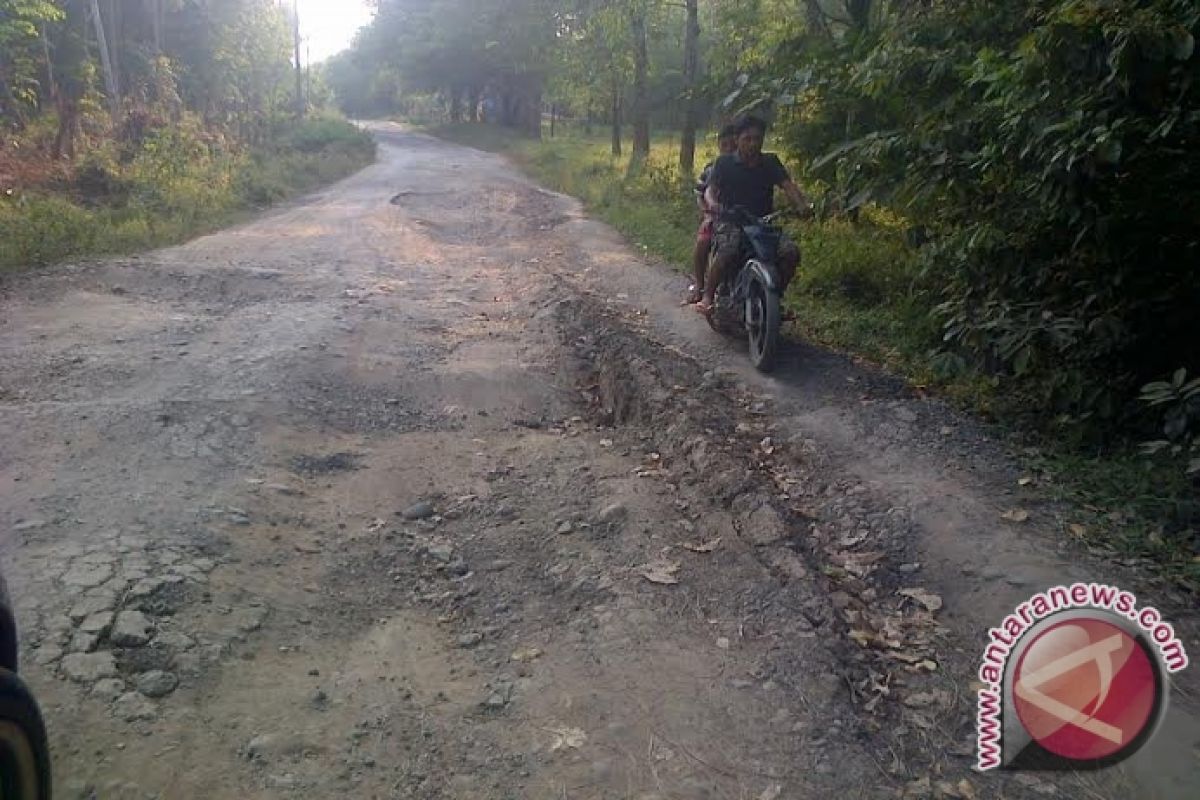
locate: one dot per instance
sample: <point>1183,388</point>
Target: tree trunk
<point>860,14</point>
<point>816,19</point>
<point>473,104</point>
<point>691,68</point>
<point>641,101</point>
<point>553,114</point>
<point>11,104</point>
<point>68,127</point>
<point>300,104</point>
<point>110,77</point>
<point>533,114</point>
<point>156,22</point>
<point>616,116</point>
<point>456,104</point>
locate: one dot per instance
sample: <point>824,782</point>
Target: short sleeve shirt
<point>753,188</point>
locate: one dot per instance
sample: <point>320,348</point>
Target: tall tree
<point>691,70</point>
<point>641,101</point>
<point>111,87</point>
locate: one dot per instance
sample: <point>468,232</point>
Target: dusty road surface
<point>424,488</point>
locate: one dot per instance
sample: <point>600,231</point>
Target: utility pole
<point>300,105</point>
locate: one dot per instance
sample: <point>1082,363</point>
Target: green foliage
<point>1178,402</point>
<point>178,184</point>
<point>1045,145</point>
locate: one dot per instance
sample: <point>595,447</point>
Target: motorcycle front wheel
<point>762,326</point>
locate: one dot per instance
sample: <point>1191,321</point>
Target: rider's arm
<point>710,196</point>
<point>797,197</point>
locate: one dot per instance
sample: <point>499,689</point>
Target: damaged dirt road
<point>385,496</point>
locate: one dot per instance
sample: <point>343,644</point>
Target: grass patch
<point>173,185</point>
<point>859,291</point>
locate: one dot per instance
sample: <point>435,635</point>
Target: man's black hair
<point>728,130</point>
<point>749,122</point>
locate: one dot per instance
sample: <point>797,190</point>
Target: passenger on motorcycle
<point>726,144</point>
<point>748,178</point>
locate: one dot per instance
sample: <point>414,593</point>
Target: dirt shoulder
<point>425,488</point>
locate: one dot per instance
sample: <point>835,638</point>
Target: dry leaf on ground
<point>1025,481</point>
<point>567,737</point>
<point>925,597</point>
<point>1016,515</point>
<point>525,654</point>
<point>771,792</point>
<point>1077,530</point>
<point>705,547</point>
<point>661,572</point>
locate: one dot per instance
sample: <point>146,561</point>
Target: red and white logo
<point>1085,689</point>
<point>1074,679</point>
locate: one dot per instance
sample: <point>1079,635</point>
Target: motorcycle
<point>748,299</point>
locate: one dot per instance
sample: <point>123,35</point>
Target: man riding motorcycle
<point>748,178</point>
<point>726,144</point>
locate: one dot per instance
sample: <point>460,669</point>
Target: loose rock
<point>764,526</point>
<point>156,683</point>
<point>133,706</point>
<point>85,576</point>
<point>108,689</point>
<point>132,629</point>
<point>613,512</point>
<point>89,667</point>
<point>93,604</point>
<point>97,623</point>
<point>420,510</point>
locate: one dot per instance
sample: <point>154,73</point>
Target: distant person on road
<point>748,178</point>
<point>726,144</point>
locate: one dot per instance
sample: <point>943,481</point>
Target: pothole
<point>325,465</point>
<point>168,599</point>
<point>133,660</point>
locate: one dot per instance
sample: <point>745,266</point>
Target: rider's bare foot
<point>705,307</point>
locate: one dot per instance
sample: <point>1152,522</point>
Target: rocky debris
<point>134,707</point>
<point>284,489</point>
<point>501,694</point>
<point>419,510</point>
<point>613,512</point>
<point>85,576</point>
<point>91,604</point>
<point>564,527</point>
<point>438,551</point>
<point>156,683</point>
<point>83,642</point>
<point>97,623</point>
<point>132,629</point>
<point>468,640</point>
<point>28,525</point>
<point>270,746</point>
<point>146,587</point>
<point>764,526</point>
<point>108,689</point>
<point>89,667</point>
<point>248,619</point>
<point>47,654</point>
<point>175,640</point>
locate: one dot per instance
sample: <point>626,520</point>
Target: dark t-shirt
<point>753,188</point>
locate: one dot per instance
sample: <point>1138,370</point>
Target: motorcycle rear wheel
<point>762,326</point>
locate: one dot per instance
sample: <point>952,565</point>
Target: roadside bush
<point>1049,148</point>
<point>173,183</point>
